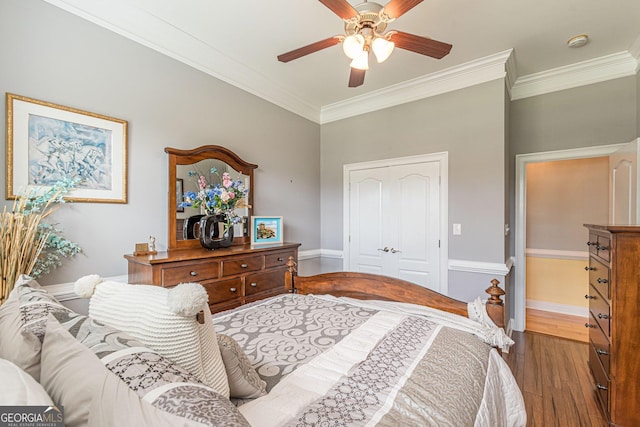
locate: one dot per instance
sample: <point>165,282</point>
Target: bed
<point>359,349</point>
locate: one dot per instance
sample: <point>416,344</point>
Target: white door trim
<point>443,158</point>
<point>520,291</point>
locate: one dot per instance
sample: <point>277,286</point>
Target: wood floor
<point>556,324</point>
<point>555,381</point>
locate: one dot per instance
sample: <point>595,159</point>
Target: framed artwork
<point>266,229</point>
<point>179,194</point>
<point>47,142</point>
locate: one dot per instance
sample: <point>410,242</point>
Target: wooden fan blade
<point>356,78</point>
<point>306,50</point>
<point>397,8</point>
<point>341,8</point>
<point>421,45</point>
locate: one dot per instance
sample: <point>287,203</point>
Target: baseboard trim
<point>571,310</point>
<point>65,292</point>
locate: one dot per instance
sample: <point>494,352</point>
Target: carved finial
<point>496,292</point>
<point>291,265</point>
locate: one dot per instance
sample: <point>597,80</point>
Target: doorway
<point>394,215</point>
<point>522,160</point>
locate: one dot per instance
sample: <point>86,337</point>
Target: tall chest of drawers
<point>614,320</point>
<point>232,276</point>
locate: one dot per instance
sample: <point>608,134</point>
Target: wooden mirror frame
<point>188,157</point>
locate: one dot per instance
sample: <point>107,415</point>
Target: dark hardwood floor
<point>553,375</point>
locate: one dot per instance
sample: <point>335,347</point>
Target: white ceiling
<point>238,40</point>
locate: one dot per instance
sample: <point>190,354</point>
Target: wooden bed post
<point>289,274</point>
<point>495,305</point>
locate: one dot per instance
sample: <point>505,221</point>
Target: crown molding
<point>161,36</point>
<point>471,73</point>
<point>584,73</point>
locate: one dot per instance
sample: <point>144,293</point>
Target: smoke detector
<point>578,41</point>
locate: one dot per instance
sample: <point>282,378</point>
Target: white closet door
<point>394,222</point>
<point>366,220</point>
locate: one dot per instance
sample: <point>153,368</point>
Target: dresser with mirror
<point>232,276</point>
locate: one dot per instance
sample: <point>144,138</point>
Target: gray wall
<point>598,114</point>
<point>468,123</point>
<point>48,54</point>
<point>638,104</point>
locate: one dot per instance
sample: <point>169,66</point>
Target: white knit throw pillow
<point>148,313</point>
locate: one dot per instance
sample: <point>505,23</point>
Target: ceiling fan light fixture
<point>353,45</point>
<point>382,48</point>
<point>361,62</point>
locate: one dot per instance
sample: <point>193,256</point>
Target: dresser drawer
<point>600,343</point>
<point>599,308</point>
<point>278,259</point>
<point>241,265</point>
<point>601,379</point>
<point>198,272</point>
<point>600,277</point>
<point>604,248</point>
<point>223,290</point>
<point>263,282</point>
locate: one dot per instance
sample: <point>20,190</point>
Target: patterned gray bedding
<point>332,361</point>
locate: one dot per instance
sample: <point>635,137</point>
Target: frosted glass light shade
<point>382,48</point>
<point>353,45</point>
<point>361,62</point>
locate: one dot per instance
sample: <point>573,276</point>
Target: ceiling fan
<point>364,26</point>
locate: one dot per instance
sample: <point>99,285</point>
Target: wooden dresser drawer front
<point>604,248</point>
<point>263,282</point>
<point>600,377</point>
<point>278,259</point>
<point>199,272</point>
<point>599,308</point>
<point>600,277</point>
<point>224,290</point>
<point>241,265</point>
<point>600,343</point>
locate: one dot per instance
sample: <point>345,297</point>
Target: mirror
<point>185,167</point>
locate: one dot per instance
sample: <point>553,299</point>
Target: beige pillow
<point>143,312</point>
<point>18,388</point>
<point>21,317</point>
<point>102,377</point>
<point>244,381</point>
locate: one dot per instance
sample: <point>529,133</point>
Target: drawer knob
<point>592,243</point>
<point>244,265</point>
<point>601,387</point>
<point>604,353</point>
<point>280,259</point>
<point>600,280</point>
<point>587,296</point>
<point>232,289</point>
<point>602,316</point>
<point>254,285</point>
<point>193,273</point>
<point>589,268</point>
<point>589,325</point>
<point>601,248</point>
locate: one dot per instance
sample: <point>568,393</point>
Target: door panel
<point>397,208</point>
<point>366,220</point>
<point>418,223</point>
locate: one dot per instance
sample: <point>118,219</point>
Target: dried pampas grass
<point>22,238</point>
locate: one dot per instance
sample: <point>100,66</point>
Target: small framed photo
<point>179,194</point>
<point>266,229</point>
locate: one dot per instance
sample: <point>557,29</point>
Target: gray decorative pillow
<point>35,304</point>
<point>244,381</point>
<point>125,382</point>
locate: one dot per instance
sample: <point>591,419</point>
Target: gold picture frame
<point>47,142</point>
